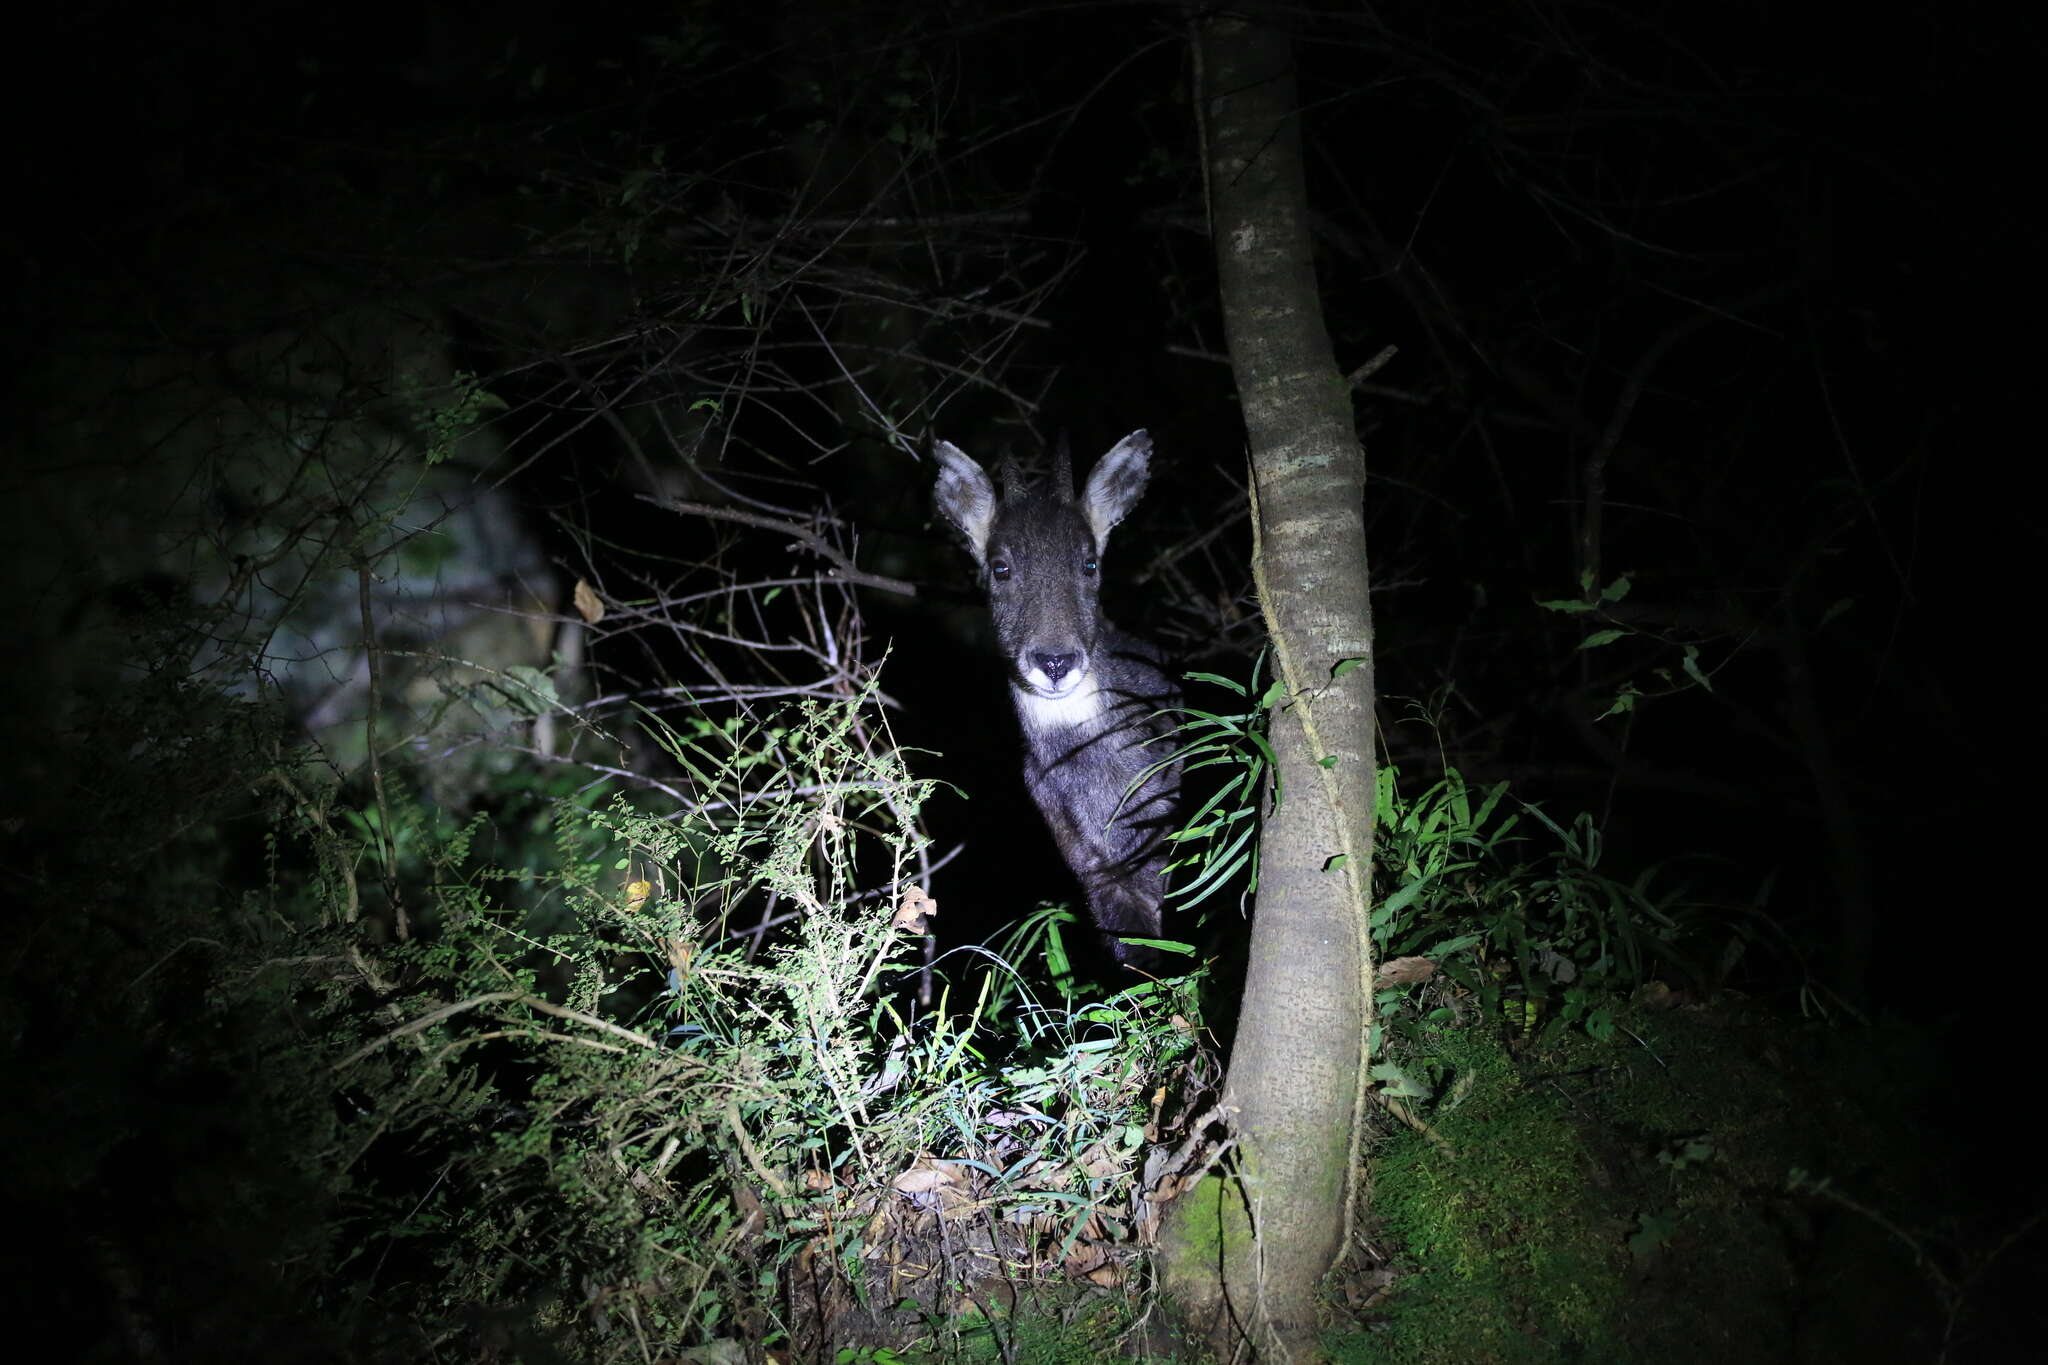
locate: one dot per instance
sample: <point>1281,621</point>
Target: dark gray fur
<point>1086,693</point>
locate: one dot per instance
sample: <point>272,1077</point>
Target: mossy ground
<point>1628,1200</point>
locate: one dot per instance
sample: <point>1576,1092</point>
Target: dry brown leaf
<point>1097,1160</point>
<point>1404,971</point>
<point>913,910</point>
<point>1658,995</point>
<point>588,605</point>
<point>938,1186</point>
<point>1084,1258</point>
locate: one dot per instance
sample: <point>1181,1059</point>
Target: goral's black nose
<point>1054,666</point>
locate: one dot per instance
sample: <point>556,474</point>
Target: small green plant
<point>867,1355</point>
<point>1218,840</point>
<point>1593,602</point>
<point>1542,938</point>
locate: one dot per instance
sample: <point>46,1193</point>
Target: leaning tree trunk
<point>1248,1252</point>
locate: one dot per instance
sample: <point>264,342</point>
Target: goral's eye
<point>1088,566</point>
<point>999,570</point>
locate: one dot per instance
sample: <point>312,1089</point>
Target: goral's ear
<point>1116,483</point>
<point>965,496</point>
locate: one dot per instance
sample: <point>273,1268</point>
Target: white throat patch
<point>1040,714</point>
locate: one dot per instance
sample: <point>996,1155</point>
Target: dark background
<point>1784,257</point>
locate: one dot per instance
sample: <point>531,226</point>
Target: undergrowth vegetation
<point>584,1093</point>
<point>593,1073</point>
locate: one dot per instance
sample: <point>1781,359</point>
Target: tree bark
<point>1247,1252</point>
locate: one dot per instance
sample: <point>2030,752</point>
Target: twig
<point>433,1017</point>
<point>753,1157</point>
<point>844,569</point>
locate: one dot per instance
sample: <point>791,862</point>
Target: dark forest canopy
<point>1742,267</point>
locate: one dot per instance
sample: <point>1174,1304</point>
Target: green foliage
<point>1229,753</point>
<point>1579,1176</point>
<point>1542,939</point>
<point>1084,1333</point>
<point>640,1123</point>
<point>598,1096</point>
<point>446,413</point>
<point>1593,602</point>
<point>1061,1327</point>
<point>1040,937</point>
